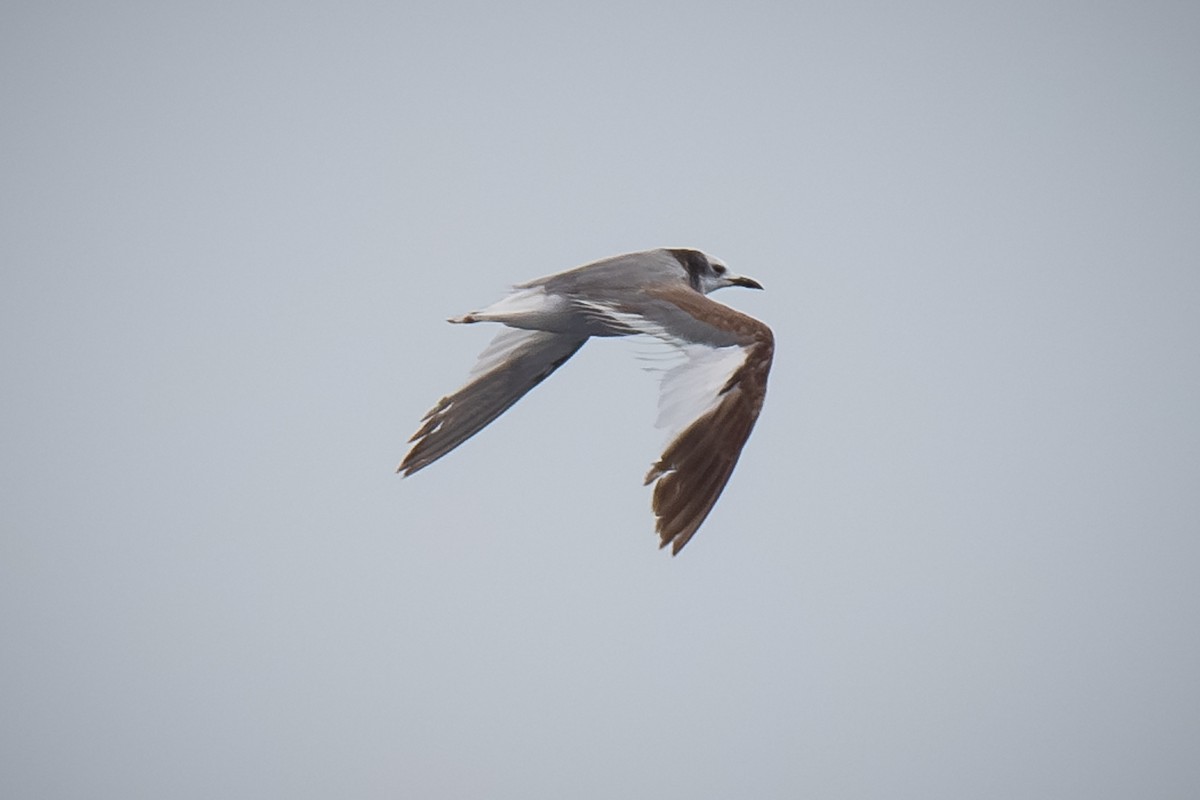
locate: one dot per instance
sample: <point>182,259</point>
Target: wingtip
<point>411,465</point>
<point>676,542</point>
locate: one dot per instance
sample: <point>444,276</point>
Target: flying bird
<point>709,401</point>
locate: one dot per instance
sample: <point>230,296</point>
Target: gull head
<point>709,273</point>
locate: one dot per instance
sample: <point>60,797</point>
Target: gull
<point>709,401</point>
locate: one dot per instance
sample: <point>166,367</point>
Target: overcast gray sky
<point>960,556</point>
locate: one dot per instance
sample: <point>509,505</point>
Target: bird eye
<point>718,269</point>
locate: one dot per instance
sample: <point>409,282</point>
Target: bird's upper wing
<point>514,362</point>
<point>710,401</point>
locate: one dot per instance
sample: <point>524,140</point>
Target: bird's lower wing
<point>709,402</point>
<point>515,362</point>
<point>696,464</point>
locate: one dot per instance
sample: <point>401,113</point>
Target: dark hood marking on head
<point>693,261</point>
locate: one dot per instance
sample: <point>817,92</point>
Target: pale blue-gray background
<point>960,557</point>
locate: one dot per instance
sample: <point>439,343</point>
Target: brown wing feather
<point>459,416</point>
<point>696,465</point>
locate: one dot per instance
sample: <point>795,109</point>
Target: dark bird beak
<point>749,283</point>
